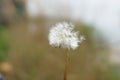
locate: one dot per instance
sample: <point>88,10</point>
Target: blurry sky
<point>103,14</point>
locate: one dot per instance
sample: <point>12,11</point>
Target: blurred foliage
<point>113,72</point>
<point>20,8</point>
<point>3,44</point>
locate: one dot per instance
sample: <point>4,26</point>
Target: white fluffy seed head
<point>63,35</point>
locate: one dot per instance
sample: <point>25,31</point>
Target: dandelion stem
<point>66,65</point>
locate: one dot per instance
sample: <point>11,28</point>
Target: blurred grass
<point>3,44</point>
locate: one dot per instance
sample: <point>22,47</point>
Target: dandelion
<point>63,35</point>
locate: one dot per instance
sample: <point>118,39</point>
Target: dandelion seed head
<point>63,35</point>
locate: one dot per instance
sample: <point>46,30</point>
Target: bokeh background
<point>25,53</point>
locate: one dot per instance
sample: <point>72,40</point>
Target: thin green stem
<point>66,65</point>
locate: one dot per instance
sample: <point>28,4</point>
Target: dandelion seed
<point>63,35</point>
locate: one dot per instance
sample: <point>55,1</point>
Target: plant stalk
<point>66,65</point>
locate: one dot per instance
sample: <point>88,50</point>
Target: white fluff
<point>63,35</point>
